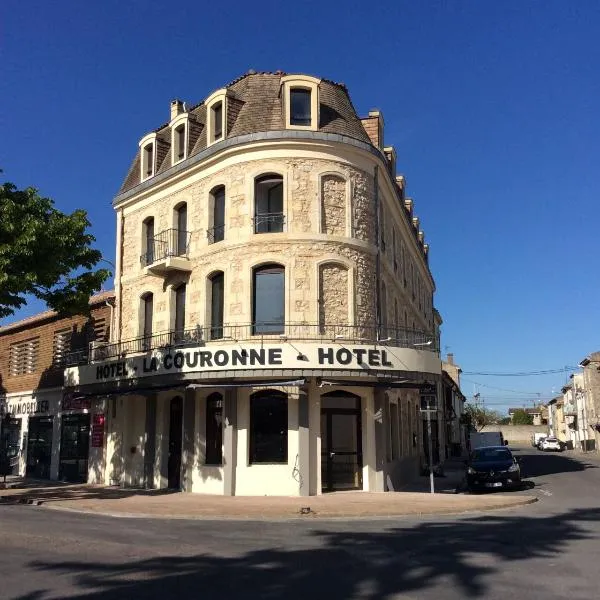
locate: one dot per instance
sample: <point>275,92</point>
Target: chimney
<point>177,107</point>
<point>450,358</point>
<point>373,125</point>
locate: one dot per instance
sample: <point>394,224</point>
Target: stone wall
<point>517,434</point>
<point>315,200</point>
<point>333,205</point>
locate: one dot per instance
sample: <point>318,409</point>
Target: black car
<point>492,467</point>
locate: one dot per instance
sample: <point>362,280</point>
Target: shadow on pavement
<point>54,491</point>
<point>544,463</point>
<point>408,560</point>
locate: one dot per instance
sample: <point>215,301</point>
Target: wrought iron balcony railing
<point>215,234</point>
<point>264,333</point>
<point>269,223</point>
<point>167,243</point>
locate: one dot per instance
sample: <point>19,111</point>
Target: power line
<point>492,387</point>
<point>521,373</point>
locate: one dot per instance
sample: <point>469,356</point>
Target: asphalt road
<point>545,550</point>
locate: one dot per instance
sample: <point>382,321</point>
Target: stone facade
<point>318,203</point>
<point>300,248</point>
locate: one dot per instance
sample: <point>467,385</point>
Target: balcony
<point>168,252</point>
<point>570,410</point>
<point>265,333</point>
<point>269,223</point>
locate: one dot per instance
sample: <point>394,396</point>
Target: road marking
<point>545,492</point>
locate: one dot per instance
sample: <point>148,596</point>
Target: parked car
<point>551,444</point>
<point>492,467</point>
<point>537,437</point>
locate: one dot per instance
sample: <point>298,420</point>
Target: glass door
<point>341,449</point>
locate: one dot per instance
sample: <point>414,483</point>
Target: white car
<point>550,444</point>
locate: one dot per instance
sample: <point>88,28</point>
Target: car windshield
<point>490,454</point>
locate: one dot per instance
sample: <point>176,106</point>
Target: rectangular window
<point>149,159</point>
<point>217,121</point>
<point>300,107</point>
<point>23,357</point>
<point>216,306</point>
<point>268,427</point>
<point>182,234</point>
<point>269,300</point>
<point>214,430</point>
<point>217,234</point>
<point>268,200</point>
<point>180,142</point>
<point>180,312</point>
<point>394,430</point>
<point>60,346</point>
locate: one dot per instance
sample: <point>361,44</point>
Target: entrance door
<point>175,437</point>
<point>39,447</point>
<point>10,446</point>
<point>341,442</point>
<point>74,448</point>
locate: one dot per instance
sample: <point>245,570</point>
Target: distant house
<point>539,414</point>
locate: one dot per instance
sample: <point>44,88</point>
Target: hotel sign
<point>253,356</point>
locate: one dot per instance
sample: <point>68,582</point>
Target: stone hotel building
<point>274,328</point>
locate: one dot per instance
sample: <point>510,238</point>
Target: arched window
<point>216,232</point>
<point>268,299</point>
<point>214,429</point>
<point>180,293</point>
<point>148,242</point>
<point>268,204</point>
<point>268,427</point>
<point>217,281</point>
<point>147,311</point>
<point>181,232</point>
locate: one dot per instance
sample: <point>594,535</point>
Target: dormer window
<point>300,106</point>
<point>300,102</point>
<point>179,137</point>
<point>216,116</point>
<point>148,156</point>
<point>180,142</point>
<point>149,160</point>
<point>217,121</point>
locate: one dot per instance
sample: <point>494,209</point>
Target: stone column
<point>189,422</point>
<point>380,420</point>
<point>304,466</point>
<point>55,459</point>
<point>150,442</point>
<point>229,441</point>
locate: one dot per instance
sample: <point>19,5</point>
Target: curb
<point>313,516</point>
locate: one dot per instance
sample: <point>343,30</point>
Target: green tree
<point>478,416</point>
<point>522,417</point>
<point>45,253</point>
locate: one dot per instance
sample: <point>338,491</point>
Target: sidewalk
<point>166,504</point>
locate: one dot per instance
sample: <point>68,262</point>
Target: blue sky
<point>492,107</point>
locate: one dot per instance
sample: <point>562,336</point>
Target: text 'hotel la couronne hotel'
<point>274,325</point>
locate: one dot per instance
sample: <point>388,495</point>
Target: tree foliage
<point>478,416</point>
<point>45,253</point>
<point>522,417</point>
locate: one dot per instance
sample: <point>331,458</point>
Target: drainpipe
<point>378,252</point>
<point>117,278</point>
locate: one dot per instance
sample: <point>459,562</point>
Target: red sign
<point>98,430</point>
<point>70,403</point>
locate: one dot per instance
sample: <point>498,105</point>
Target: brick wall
<point>46,375</point>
